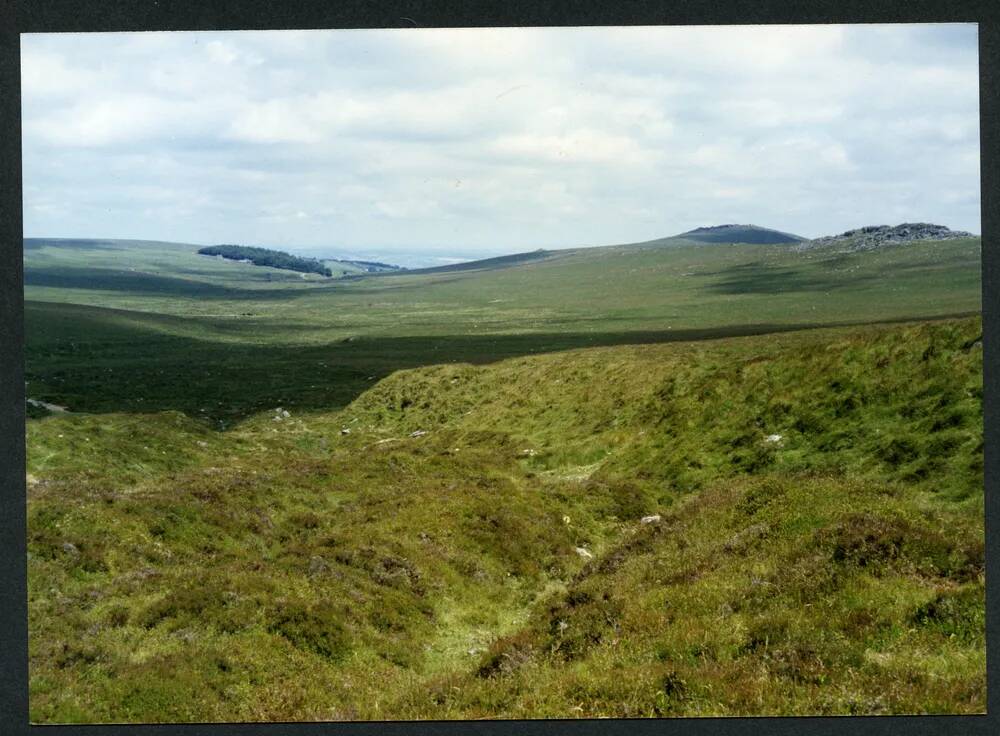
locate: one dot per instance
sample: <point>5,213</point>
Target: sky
<point>424,146</point>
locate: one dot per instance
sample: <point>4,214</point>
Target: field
<point>225,339</point>
<point>428,494</point>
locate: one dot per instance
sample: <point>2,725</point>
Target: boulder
<point>875,236</point>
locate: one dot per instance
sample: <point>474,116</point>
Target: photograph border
<point>35,16</point>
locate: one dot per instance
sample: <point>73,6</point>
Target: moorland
<point>681,477</point>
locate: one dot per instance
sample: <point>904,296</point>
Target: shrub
<point>315,628</point>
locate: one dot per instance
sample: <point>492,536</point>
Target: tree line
<point>267,257</point>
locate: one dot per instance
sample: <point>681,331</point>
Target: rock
<point>584,553</point>
<point>651,519</point>
<point>773,439</point>
<point>71,549</point>
<point>202,443</point>
<point>285,414</point>
<point>54,408</point>
<point>874,236</point>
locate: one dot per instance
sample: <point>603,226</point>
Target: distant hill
<point>355,267</point>
<point>487,264</point>
<point>752,234</point>
<point>373,266</point>
<point>739,234</point>
<point>876,236</point>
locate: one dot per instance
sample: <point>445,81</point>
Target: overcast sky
<point>421,144</point>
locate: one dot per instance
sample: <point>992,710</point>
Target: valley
<point>674,478</point>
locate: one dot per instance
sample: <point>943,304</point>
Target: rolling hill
<point>488,264</point>
<point>739,234</point>
<point>100,319</point>
<point>654,479</point>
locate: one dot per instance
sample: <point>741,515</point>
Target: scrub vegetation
<point>266,257</point>
<point>642,481</point>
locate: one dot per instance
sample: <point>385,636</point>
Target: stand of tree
<point>267,257</point>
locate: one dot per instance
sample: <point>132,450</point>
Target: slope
<point>209,343</point>
<point>415,555</point>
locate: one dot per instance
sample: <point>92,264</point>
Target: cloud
<point>584,146</point>
<point>484,141</point>
<point>47,75</point>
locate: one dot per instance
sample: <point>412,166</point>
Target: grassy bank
<point>466,540</point>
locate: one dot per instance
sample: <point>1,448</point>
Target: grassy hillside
<point>464,541</point>
<point>489,264</point>
<point>427,499</point>
<point>629,287</point>
<point>341,268</point>
<point>204,337</point>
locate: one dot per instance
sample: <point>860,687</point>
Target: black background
<point>28,16</point>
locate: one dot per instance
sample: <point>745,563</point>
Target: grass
<point>419,495</point>
<point>412,554</point>
<point>219,339</point>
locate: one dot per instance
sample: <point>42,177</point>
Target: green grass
<point>287,570</point>
<point>616,288</point>
<point>287,498</point>
<point>217,339</point>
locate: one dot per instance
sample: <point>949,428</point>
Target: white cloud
<point>48,75</point>
<point>582,146</point>
<point>496,139</point>
<point>221,52</point>
<point>274,121</point>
